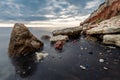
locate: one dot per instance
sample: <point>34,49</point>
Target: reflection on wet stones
<point>25,66</point>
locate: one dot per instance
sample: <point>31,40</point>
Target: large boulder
<point>22,41</point>
<point>113,39</point>
<point>70,32</point>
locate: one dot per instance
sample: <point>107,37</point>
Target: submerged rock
<point>59,38</point>
<point>22,41</point>
<point>70,32</point>
<point>59,45</point>
<point>113,39</point>
<point>45,37</point>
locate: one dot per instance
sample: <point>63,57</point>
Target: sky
<point>46,12</point>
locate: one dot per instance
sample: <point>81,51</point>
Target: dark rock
<point>45,37</point>
<point>24,66</point>
<point>59,45</point>
<point>90,52</point>
<point>70,32</point>
<point>22,41</point>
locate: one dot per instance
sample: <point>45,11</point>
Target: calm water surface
<point>61,65</point>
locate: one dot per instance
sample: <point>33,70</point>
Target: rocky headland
<point>103,23</point>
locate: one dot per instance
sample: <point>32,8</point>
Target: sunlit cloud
<point>92,4</point>
<point>46,12</point>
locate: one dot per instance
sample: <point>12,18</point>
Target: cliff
<point>106,10</point>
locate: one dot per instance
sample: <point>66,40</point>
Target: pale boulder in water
<point>113,39</point>
<point>59,38</point>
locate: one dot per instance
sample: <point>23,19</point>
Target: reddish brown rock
<point>106,10</point>
<point>59,45</point>
<point>22,41</point>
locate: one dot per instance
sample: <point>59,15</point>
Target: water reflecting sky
<point>61,65</point>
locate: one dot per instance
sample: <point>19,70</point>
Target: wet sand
<point>80,59</point>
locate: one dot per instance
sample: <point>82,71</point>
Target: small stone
<point>40,56</point>
<point>107,63</point>
<point>60,57</point>
<point>108,51</point>
<point>29,67</point>
<point>85,48</point>
<point>105,68</point>
<point>112,47</point>
<point>82,48</point>
<point>90,52</point>
<point>101,60</point>
<point>24,72</point>
<point>41,61</point>
<point>100,53</point>
<point>18,72</point>
<point>82,67</point>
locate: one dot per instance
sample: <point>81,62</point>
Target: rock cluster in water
<point>22,41</point>
<point>70,32</point>
<point>109,29</point>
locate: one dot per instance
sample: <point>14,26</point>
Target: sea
<point>80,59</point>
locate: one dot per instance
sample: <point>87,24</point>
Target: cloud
<point>46,10</point>
<point>92,4</point>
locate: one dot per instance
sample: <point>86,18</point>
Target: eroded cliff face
<point>106,10</point>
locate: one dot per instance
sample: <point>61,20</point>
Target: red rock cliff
<point>106,10</point>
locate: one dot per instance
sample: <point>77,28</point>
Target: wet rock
<point>112,39</point>
<point>105,68</point>
<point>40,56</point>
<point>82,67</point>
<point>45,37</point>
<point>81,48</point>
<point>101,60</point>
<point>24,66</point>
<point>106,27</point>
<point>22,41</point>
<point>59,38</point>
<point>60,57</point>
<point>111,47</point>
<point>59,45</point>
<point>70,32</point>
<point>94,39</point>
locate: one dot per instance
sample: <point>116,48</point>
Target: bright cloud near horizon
<point>46,12</point>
